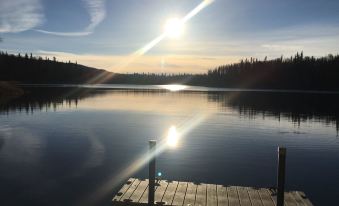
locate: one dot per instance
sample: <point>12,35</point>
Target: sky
<point>106,34</point>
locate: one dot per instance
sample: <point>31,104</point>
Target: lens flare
<point>132,167</point>
<point>186,127</point>
<point>173,29</point>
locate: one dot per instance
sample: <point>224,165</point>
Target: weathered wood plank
<point>254,196</point>
<point>160,191</point>
<point>297,198</point>
<point>144,197</point>
<point>244,198</point>
<point>306,201</point>
<point>124,188</point>
<point>200,198</point>
<point>212,195</point>
<point>265,196</point>
<point>137,194</point>
<point>233,197</point>
<point>190,194</point>
<point>273,194</point>
<point>289,200</point>
<point>222,195</point>
<point>129,192</point>
<point>169,193</point>
<point>179,196</point>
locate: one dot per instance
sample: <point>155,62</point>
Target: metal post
<point>151,172</point>
<point>281,175</point>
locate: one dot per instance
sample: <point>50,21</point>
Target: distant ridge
<point>294,73</point>
<point>31,69</point>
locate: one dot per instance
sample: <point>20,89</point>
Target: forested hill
<point>294,73</point>
<point>31,69</point>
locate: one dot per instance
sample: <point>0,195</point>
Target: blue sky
<point>104,33</point>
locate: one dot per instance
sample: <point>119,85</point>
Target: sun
<point>174,28</point>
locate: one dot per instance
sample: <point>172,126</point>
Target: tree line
<point>297,72</point>
<point>27,68</point>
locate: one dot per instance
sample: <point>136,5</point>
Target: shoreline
<point>187,87</point>
<point>9,90</point>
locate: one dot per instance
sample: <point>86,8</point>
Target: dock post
<point>281,175</point>
<point>151,172</point>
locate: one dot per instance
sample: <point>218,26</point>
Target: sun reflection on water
<point>174,87</point>
<point>172,137</point>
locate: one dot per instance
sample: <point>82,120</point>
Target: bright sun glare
<point>174,87</point>
<point>172,137</point>
<point>174,28</point>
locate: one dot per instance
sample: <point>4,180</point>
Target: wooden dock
<point>135,192</point>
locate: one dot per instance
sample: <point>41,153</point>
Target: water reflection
<point>174,87</point>
<point>295,107</point>
<point>172,137</point>
<point>96,137</point>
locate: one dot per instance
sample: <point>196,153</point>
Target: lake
<point>76,145</point>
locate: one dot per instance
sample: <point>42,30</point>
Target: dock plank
<point>160,191</point>
<point>169,193</point>
<point>297,198</point>
<point>222,195</point>
<point>233,197</point>
<point>306,201</point>
<point>135,192</point>
<point>244,198</point>
<point>129,192</point>
<point>273,194</point>
<point>265,196</point>
<point>212,195</point>
<point>254,196</point>
<point>144,197</point>
<point>136,196</point>
<point>212,198</point>
<point>179,196</point>
<point>124,188</point>
<point>200,199</point>
<point>190,194</point>
<point>289,199</point>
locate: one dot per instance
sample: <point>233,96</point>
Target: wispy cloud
<point>97,12</point>
<point>20,15</point>
<point>81,33</point>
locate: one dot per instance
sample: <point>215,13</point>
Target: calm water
<point>74,146</point>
